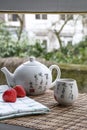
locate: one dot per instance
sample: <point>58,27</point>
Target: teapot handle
<point>58,74</point>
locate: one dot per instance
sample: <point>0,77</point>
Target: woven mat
<point>59,118</point>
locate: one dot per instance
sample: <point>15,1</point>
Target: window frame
<point>41,16</point>
<point>10,18</point>
<point>64,17</point>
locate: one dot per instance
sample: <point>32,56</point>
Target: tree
<point>58,31</point>
<point>21,20</point>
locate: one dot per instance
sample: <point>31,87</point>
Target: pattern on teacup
<point>66,91</point>
<point>71,93</point>
<point>63,90</point>
<point>64,86</point>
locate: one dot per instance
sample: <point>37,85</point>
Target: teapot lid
<point>32,62</point>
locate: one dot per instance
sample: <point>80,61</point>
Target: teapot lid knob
<point>32,58</point>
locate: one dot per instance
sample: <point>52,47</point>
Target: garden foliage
<point>11,47</point>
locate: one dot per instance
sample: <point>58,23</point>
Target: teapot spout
<point>9,76</point>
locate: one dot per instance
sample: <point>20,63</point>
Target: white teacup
<point>66,91</point>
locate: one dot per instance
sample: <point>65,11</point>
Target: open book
<point>22,106</point>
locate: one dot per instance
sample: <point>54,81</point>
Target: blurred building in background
<point>42,27</point>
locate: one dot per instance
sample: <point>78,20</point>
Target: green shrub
<point>11,47</point>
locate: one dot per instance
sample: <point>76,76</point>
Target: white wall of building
<point>42,29</point>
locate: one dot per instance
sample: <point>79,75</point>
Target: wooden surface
<point>59,118</point>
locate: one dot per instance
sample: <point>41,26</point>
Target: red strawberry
<point>20,91</point>
<point>9,95</point>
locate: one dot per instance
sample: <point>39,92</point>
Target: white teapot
<point>34,76</point>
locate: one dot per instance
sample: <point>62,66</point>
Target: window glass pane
<point>37,16</point>
<point>41,16</point>
<point>44,16</point>
<point>66,16</point>
<point>12,17</point>
<point>70,16</point>
<point>62,16</point>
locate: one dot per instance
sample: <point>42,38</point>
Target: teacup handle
<point>58,74</point>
